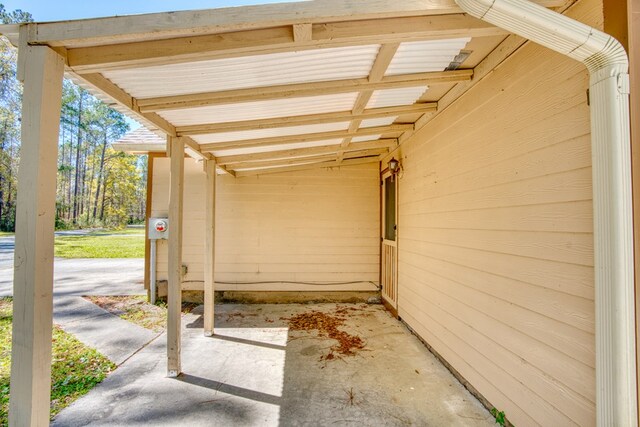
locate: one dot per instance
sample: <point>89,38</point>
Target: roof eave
<point>130,28</point>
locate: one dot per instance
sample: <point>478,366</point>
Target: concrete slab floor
<point>257,372</point>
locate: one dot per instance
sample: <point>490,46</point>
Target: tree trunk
<point>100,172</point>
<point>3,137</point>
<point>9,207</point>
<point>83,187</point>
<point>69,200</point>
<point>77,165</point>
<point>104,191</point>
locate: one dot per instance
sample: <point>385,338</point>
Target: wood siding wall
<point>306,226</point>
<point>496,237</point>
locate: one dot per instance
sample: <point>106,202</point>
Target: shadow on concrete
<point>218,336</point>
<point>230,389</point>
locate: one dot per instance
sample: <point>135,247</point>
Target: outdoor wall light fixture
<point>394,166</point>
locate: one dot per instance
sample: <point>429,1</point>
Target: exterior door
<point>389,251</point>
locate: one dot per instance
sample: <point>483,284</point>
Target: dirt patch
<point>238,315</point>
<point>327,325</point>
<point>136,309</point>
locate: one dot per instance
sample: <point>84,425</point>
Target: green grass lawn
<point>75,368</point>
<point>137,231</point>
<point>127,243</point>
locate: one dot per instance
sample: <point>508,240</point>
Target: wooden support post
<point>174,292</point>
<point>42,69</point>
<point>210,247</point>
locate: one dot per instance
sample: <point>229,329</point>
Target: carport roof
<point>277,87</point>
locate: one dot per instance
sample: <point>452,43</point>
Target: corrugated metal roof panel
<point>365,138</point>
<point>246,72</point>
<point>141,135</point>
<point>392,97</point>
<point>382,121</point>
<point>270,148</point>
<point>260,109</point>
<point>265,133</point>
<point>424,56</point>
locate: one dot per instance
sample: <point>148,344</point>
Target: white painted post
<point>174,292</point>
<point>42,69</point>
<point>210,247</point>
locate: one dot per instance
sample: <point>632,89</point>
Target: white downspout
<point>606,60</point>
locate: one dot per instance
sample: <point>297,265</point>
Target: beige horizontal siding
<point>306,226</point>
<point>496,237</point>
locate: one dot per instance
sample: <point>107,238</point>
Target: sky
<point>61,10</point>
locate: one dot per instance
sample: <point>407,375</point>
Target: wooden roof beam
<point>231,161</point>
<point>125,100</point>
<point>309,119</point>
<point>238,96</point>
<point>308,159</point>
<point>183,23</point>
<point>195,151</point>
<point>322,165</point>
<point>193,148</point>
<point>274,40</point>
<point>309,137</point>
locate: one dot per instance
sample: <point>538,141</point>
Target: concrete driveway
<point>82,276</point>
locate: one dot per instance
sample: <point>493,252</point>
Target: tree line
<point>96,186</point>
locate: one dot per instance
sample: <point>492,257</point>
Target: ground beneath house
<point>285,365</point>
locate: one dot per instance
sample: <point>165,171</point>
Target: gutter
<point>606,60</point>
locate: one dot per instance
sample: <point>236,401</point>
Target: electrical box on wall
<point>158,228</point>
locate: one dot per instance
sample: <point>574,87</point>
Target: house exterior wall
<point>496,237</point>
<point>305,226</point>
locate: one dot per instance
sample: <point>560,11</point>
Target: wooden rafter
<point>124,99</point>
<point>309,137</point>
<point>302,32</point>
<point>309,119</point>
<point>322,165</point>
<point>299,152</point>
<point>383,59</point>
<point>275,40</point>
<point>376,74</point>
<point>130,103</point>
<point>298,90</point>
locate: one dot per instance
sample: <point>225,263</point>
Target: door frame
<point>389,305</point>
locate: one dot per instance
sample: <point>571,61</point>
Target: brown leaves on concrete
<point>326,325</point>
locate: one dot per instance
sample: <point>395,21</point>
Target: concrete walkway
<point>255,372</point>
<point>73,278</point>
<point>115,338</point>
